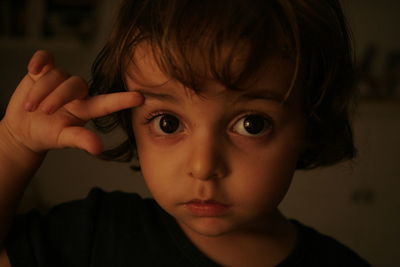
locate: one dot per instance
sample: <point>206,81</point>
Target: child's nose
<point>207,157</point>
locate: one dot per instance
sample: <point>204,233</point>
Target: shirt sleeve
<point>62,237</point>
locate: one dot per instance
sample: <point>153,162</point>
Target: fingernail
<point>35,67</point>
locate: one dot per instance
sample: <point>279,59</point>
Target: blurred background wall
<point>355,202</point>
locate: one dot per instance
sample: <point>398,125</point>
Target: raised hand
<point>49,109</point>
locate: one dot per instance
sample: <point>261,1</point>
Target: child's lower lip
<point>206,209</point>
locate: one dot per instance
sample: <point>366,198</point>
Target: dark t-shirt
<point>122,229</point>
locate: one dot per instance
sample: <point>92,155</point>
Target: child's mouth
<point>206,208</point>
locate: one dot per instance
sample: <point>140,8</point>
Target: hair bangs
<point>193,41</point>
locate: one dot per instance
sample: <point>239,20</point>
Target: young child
<point>221,102</point>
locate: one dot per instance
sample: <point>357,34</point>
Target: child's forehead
<point>146,61</point>
<point>144,71</point>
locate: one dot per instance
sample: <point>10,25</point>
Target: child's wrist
<point>15,151</point>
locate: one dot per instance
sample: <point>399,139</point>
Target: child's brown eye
<point>167,123</point>
<point>252,125</point>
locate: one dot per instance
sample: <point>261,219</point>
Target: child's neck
<point>257,248</point>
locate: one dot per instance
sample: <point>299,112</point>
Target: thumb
<point>41,62</point>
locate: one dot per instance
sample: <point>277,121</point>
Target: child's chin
<point>207,226</point>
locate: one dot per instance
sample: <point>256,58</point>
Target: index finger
<point>103,105</point>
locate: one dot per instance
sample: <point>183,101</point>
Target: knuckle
<point>80,82</point>
<point>80,85</point>
<point>59,74</point>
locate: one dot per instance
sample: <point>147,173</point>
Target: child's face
<point>220,162</point>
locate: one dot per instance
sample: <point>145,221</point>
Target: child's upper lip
<point>206,201</point>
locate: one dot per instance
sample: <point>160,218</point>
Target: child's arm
<point>47,111</point>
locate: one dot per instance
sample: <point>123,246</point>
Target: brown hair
<point>311,32</point>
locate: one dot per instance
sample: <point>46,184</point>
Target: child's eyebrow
<point>265,94</point>
<point>158,96</point>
